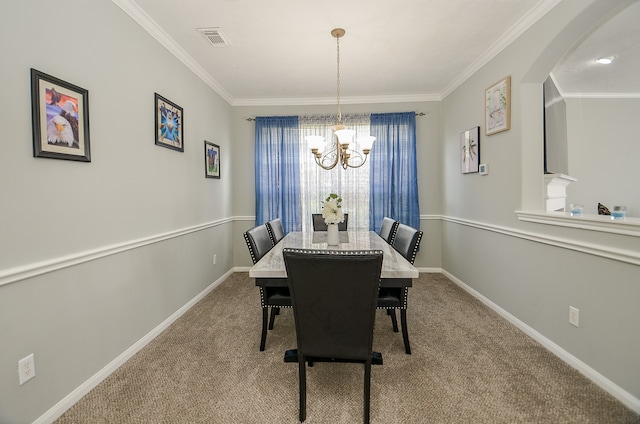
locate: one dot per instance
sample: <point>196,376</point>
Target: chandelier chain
<point>338,78</point>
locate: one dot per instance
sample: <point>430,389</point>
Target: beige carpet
<point>468,366</point>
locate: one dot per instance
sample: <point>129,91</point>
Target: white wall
<point>96,255</point>
<point>534,272</point>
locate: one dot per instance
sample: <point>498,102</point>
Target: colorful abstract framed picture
<point>211,160</point>
<point>470,150</point>
<point>497,103</point>
<point>169,121</point>
<point>60,118</point>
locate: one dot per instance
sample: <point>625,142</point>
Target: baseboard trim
<point>619,393</point>
<point>72,398</point>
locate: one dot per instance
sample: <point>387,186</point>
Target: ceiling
<point>282,52</point>
<point>578,75</point>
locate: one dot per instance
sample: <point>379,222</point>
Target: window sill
<point>629,226</point>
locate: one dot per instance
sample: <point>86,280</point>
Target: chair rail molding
<point>629,226</point>
<point>19,273</point>
<point>622,255</point>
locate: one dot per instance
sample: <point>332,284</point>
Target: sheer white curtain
<point>316,183</point>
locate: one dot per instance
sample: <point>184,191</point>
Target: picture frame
<point>169,124</point>
<point>211,160</point>
<point>470,150</point>
<point>60,118</point>
<point>497,104</point>
<point>483,168</point>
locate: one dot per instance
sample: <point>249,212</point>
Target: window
<point>317,183</point>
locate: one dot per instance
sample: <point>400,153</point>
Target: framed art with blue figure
<point>169,124</point>
<point>211,160</point>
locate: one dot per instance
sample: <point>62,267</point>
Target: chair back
<point>276,232</point>
<point>388,229</point>
<point>334,296</point>
<point>407,242</point>
<point>320,225</point>
<point>258,242</point>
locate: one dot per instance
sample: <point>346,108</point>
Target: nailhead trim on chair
<point>264,305</point>
<point>251,252</point>
<point>415,248</point>
<point>332,252</point>
<point>405,297</point>
<point>394,231</point>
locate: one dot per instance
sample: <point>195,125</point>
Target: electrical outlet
<point>26,369</point>
<point>215,258</point>
<point>574,316</point>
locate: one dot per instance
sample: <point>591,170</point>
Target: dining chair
<point>276,232</point>
<point>388,229</point>
<point>320,225</point>
<point>334,296</point>
<point>406,242</point>
<point>259,243</point>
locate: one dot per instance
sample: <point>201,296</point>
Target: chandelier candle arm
<point>340,152</point>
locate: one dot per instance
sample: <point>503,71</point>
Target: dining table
<point>396,270</point>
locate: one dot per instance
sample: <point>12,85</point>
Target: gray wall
<point>604,149</point>
<point>534,272</point>
<point>96,255</point>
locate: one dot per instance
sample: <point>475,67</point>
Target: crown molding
<point>541,9</point>
<point>139,16</point>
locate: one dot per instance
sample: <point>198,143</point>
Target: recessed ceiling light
<point>605,60</point>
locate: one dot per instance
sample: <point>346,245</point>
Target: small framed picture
<point>211,160</point>
<point>470,150</point>
<point>60,118</point>
<point>483,168</point>
<point>497,103</point>
<point>169,124</point>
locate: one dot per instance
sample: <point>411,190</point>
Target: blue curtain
<point>278,171</point>
<point>394,174</point>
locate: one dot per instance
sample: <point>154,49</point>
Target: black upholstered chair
<point>276,232</point>
<point>320,225</point>
<point>259,243</point>
<point>388,229</point>
<point>334,295</point>
<point>406,242</point>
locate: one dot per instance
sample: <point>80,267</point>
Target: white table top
<point>394,265</point>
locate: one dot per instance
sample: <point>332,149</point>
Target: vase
<point>332,235</point>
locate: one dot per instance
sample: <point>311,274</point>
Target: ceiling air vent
<point>215,36</point>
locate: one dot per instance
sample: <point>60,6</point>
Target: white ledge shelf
<point>602,223</point>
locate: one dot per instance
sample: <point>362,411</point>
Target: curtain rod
<point>417,114</point>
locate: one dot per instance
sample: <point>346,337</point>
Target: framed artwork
<point>470,150</point>
<point>60,118</point>
<point>169,124</point>
<point>211,160</point>
<point>497,107</point>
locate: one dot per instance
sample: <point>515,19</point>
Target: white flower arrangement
<point>332,209</point>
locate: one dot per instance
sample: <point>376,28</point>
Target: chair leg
<point>303,388</point>
<point>394,322</point>
<point>405,332</point>
<point>274,312</point>
<point>263,338</point>
<point>367,391</point>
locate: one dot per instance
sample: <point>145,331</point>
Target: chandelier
<point>341,150</point>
